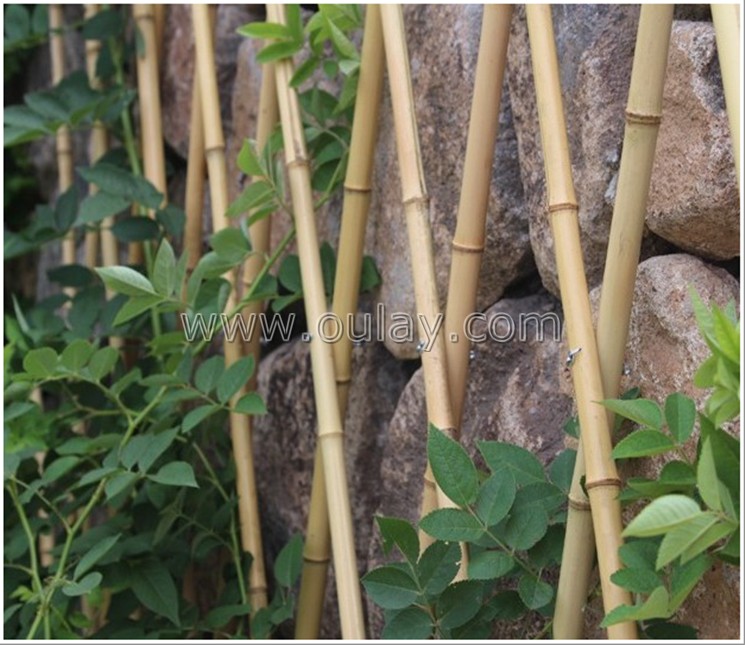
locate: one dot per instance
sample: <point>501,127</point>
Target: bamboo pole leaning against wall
<point>727,27</point>
<point>195,175</point>
<point>468,241</point>
<point>65,171</point>
<point>330,435</point>
<point>602,481</point>
<point>643,115</point>
<point>357,192</point>
<point>416,208</point>
<point>240,424</point>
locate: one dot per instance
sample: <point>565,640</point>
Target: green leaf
<point>683,536</point>
<point>637,580</point>
<point>234,378</point>
<point>459,603</point>
<point>209,373</point>
<point>230,244</point>
<point>343,45</point>
<point>535,593</point>
<point>507,605</point>
<point>103,362</point>
<point>40,363</point>
<point>251,403</point>
<point>437,566</point>
<point>164,269</point>
<point>218,617</point>
<point>643,443</point>
<point>401,534</point>
<point>304,71</point>
<point>134,307</point>
<point>153,586</point>
<point>680,415</point>
<point>370,277</point>
<point>642,411</point>
<point>136,229</point>
<point>289,274</point>
<point>119,483</point>
<point>562,469</point>
<point>97,207</point>
<point>452,524</point>
<point>248,160</point>
<point>71,275</point>
<point>662,515</point>
<point>453,469</point>
<point>707,479</point>
<point>525,526</point>
<point>266,30</point>
<point>715,533</point>
<point>666,631</point>
<point>104,24</point>
<point>656,606</point>
<point>98,551</point>
<point>684,578</point>
<point>125,280</point>
<point>58,468</point>
<point>412,623</point>
<point>116,181</point>
<point>196,416</point>
<point>328,267</point>
<point>84,586</point>
<point>176,473</point>
<point>76,355</point>
<point>490,565</point>
<point>145,449</point>
<point>523,465</point>
<point>278,51</point>
<point>289,562</point>
<point>496,497</point>
<point>256,194</point>
<point>66,209</point>
<point>390,587</point>
<point>543,494</point>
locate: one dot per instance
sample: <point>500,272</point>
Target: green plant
<point>694,512</point>
<point>512,519</point>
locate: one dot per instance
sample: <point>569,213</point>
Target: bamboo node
<point>563,206</point>
<point>298,162</point>
<point>419,199</point>
<point>579,504</point>
<point>609,482</point>
<point>357,189</point>
<point>467,248</point>
<point>314,560</point>
<point>643,119</point>
<point>343,380</point>
<point>218,148</point>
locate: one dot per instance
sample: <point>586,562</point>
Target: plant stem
<point>35,577</point>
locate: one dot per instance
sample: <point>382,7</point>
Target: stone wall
<point>518,391</point>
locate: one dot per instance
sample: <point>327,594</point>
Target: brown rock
<point>285,441</point>
<point>512,396</point>
<point>595,65</point>
<point>443,46</point>
<point>694,199</point>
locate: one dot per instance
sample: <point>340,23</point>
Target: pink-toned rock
<point>694,200</point>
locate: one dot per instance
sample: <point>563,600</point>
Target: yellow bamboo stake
<point>416,209</point>
<point>602,481</point>
<point>260,232</point>
<point>148,84</point>
<point>65,169</point>
<point>195,175</point>
<point>159,17</point>
<point>330,435</point>
<point>357,190</point>
<point>468,241</point>
<point>240,424</point>
<point>727,28</point>
<point>643,115</point>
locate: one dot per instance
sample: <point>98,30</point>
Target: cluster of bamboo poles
<point>597,366</point>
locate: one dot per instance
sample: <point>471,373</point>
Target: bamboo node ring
<point>563,206</point>
<point>217,148</point>
<point>314,560</point>
<point>579,504</point>
<point>643,119</point>
<point>610,482</point>
<point>297,162</point>
<point>357,189</point>
<point>419,199</point>
<point>468,248</point>
<point>343,380</point>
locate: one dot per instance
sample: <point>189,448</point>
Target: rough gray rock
<point>694,200</point>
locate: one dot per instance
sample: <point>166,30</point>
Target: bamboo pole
<point>330,435</point>
<point>468,241</point>
<point>602,481</point>
<point>260,232</point>
<point>195,175</point>
<point>148,84</point>
<point>159,19</point>
<point>240,424</point>
<point>643,115</point>
<point>65,177</point>
<point>357,191</point>
<point>726,19</point>
<point>416,209</point>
